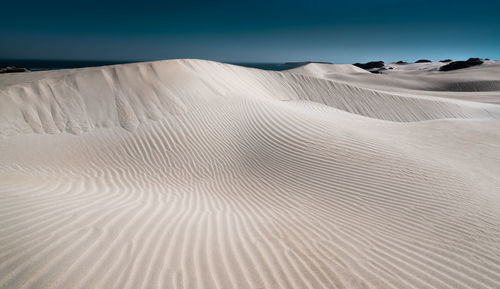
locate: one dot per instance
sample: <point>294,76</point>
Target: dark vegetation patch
<point>445,60</point>
<point>422,61</point>
<point>461,64</point>
<point>11,69</point>
<point>370,65</point>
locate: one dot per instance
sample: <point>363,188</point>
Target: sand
<point>197,174</point>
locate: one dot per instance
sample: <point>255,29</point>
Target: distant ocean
<point>64,64</point>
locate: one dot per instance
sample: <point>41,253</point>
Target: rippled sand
<point>197,174</point>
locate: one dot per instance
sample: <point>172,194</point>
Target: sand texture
<point>196,174</point>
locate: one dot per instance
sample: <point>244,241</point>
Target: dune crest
<point>76,101</point>
<point>198,174</point>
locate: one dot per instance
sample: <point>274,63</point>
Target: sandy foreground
<point>197,174</point>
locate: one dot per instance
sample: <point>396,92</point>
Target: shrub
<point>10,69</point>
<point>370,65</point>
<point>461,64</point>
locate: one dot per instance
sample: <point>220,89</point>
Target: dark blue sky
<point>250,31</point>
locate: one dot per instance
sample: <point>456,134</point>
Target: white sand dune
<point>480,83</point>
<point>197,174</point>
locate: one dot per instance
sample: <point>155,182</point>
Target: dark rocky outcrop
<point>11,69</point>
<point>370,65</point>
<point>445,60</point>
<point>461,64</point>
<point>401,62</point>
<point>422,61</point>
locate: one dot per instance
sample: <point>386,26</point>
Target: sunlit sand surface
<point>197,174</point>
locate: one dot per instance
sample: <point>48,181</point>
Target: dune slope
<point>196,174</point>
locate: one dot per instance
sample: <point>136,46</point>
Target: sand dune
<point>480,83</point>
<point>197,174</point>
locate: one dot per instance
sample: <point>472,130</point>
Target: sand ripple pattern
<point>178,175</point>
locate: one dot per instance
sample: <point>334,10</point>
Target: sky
<point>250,31</point>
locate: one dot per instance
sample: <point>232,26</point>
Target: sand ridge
<point>197,174</point>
